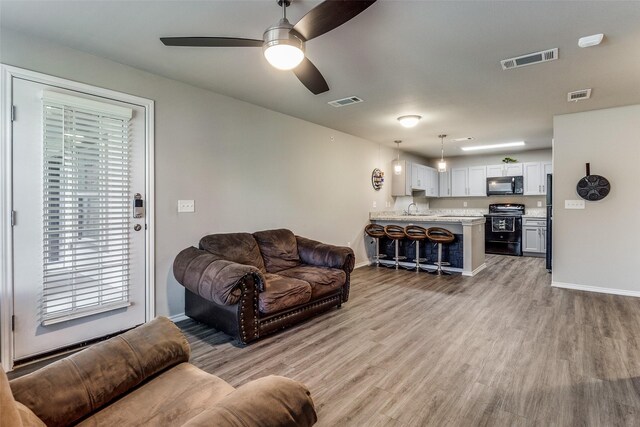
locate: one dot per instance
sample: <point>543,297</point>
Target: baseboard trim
<point>597,289</point>
<point>362,264</point>
<point>476,271</point>
<point>178,317</point>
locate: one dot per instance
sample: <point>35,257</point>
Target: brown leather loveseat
<point>250,285</point>
<point>143,378</point>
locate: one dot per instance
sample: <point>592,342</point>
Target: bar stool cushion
<point>394,232</point>
<point>374,230</point>
<point>415,232</point>
<point>440,235</point>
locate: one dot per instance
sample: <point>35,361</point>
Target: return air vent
<point>579,95</point>
<point>345,101</point>
<point>529,59</point>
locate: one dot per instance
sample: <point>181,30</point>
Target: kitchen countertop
<point>457,218</point>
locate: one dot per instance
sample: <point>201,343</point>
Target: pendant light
<point>442,165</point>
<point>397,166</point>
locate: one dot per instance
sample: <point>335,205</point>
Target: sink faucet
<point>409,208</point>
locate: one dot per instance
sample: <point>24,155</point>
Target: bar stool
<point>417,234</point>
<point>440,236</point>
<point>376,231</point>
<point>396,233</point>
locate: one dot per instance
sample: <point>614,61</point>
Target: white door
<point>513,169</point>
<point>547,168</point>
<point>531,239</point>
<point>478,181</point>
<point>459,178</point>
<point>494,171</point>
<point>532,181</point>
<point>432,188</point>
<point>79,255</point>
<point>444,182</point>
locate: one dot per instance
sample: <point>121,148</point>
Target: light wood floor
<point>501,348</point>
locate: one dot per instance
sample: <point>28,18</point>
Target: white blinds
<point>86,207</point>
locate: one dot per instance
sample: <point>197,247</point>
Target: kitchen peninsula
<point>468,258</point>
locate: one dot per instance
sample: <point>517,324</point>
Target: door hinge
<point>13,322</point>
<point>13,113</point>
<point>13,218</point>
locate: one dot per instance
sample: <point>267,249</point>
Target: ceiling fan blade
<point>310,76</point>
<point>210,42</point>
<point>328,15</point>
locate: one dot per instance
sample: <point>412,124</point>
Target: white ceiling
<point>438,59</point>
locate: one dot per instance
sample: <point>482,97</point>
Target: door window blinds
<point>86,207</point>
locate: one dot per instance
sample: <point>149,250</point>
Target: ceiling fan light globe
<point>283,56</point>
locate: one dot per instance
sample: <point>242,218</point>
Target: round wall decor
<point>593,187</point>
<point>377,179</point>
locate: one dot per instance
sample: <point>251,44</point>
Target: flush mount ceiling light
<point>589,41</point>
<point>397,166</point>
<point>491,146</point>
<point>442,165</point>
<point>409,121</point>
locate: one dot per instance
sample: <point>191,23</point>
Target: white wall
<point>248,168</point>
<point>598,246</point>
<point>490,159</point>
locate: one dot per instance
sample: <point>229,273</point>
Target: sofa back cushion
<point>67,390</point>
<point>279,249</point>
<point>236,247</point>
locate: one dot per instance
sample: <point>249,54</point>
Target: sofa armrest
<point>65,391</point>
<point>321,254</point>
<point>212,278</point>
<point>268,401</point>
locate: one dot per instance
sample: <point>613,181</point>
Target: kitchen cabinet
<point>432,182</point>
<point>444,184</point>
<point>507,169</point>
<point>469,182</point>
<point>418,177</point>
<point>535,178</point>
<point>534,236</point>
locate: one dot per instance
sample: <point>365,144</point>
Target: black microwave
<point>505,186</point>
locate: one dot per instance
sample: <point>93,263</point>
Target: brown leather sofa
<point>142,378</point>
<point>251,285</point>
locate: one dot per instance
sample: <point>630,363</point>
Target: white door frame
<point>8,73</point>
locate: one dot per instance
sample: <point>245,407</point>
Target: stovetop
<point>505,209</point>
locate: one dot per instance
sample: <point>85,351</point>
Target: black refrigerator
<point>549,220</point>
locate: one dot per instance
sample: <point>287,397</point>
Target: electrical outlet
<point>574,204</point>
<point>539,204</point>
<point>186,206</point>
<point>464,204</point>
<point>375,204</point>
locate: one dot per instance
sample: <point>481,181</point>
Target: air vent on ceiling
<point>345,101</point>
<point>579,95</point>
<point>529,59</point>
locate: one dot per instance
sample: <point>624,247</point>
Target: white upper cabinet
<point>432,182</point>
<point>469,181</point>
<point>535,178</point>
<point>418,177</point>
<point>478,181</point>
<point>509,169</point>
<point>444,184</point>
<point>401,183</point>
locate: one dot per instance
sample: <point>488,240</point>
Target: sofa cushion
<point>268,401</point>
<point>323,280</point>
<point>72,388</point>
<point>282,292</point>
<point>237,247</point>
<point>279,249</point>
<point>170,399</point>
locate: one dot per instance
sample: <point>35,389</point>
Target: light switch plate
<point>574,204</point>
<point>539,204</point>
<point>186,206</point>
<point>375,204</point>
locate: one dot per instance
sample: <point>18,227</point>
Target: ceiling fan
<point>283,44</point>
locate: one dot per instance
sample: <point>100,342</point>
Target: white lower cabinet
<point>534,235</point>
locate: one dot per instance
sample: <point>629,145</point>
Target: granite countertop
<point>535,213</point>
<point>430,216</point>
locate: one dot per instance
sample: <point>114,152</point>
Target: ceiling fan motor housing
<point>282,33</point>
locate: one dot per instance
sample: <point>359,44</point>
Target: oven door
<point>503,235</point>
<point>501,186</point>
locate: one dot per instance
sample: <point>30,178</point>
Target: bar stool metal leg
<point>439,271</point>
